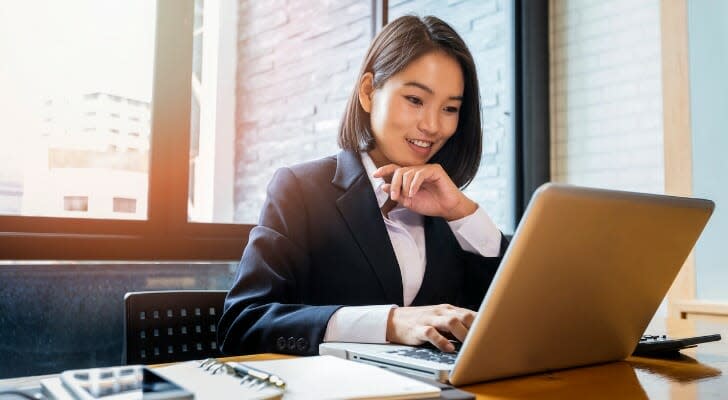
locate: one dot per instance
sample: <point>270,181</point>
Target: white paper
<point>328,377</point>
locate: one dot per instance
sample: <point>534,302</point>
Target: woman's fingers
<point>432,335</point>
<point>450,320</point>
<point>396,184</point>
<point>406,181</point>
<point>419,177</point>
<point>385,170</point>
<point>407,176</point>
<point>434,324</point>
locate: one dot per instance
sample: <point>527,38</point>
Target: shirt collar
<point>376,183</point>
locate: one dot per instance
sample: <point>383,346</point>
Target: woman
<point>377,244</point>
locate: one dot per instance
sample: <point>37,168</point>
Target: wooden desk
<point>699,373</point>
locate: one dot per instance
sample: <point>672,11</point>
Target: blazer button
<point>301,344</point>
<point>281,343</point>
<point>291,343</point>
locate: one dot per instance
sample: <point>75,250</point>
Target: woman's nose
<point>429,122</point>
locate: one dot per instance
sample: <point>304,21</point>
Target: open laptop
<point>584,274</point>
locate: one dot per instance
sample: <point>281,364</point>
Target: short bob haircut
<point>395,47</point>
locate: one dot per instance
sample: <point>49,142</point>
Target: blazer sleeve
<point>265,310</point>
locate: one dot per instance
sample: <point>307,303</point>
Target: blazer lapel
<point>358,206</point>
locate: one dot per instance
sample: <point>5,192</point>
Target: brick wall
<point>297,64</point>
<point>606,95</point>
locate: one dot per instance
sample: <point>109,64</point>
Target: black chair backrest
<point>171,326</point>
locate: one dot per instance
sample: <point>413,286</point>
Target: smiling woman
<point>412,121</point>
<point>293,68</point>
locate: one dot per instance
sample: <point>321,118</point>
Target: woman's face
<point>416,110</point>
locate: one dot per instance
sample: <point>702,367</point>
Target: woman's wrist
<point>390,335</point>
<point>464,208</point>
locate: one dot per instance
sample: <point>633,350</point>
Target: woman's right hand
<point>417,325</point>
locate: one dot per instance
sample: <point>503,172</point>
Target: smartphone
<point>133,382</point>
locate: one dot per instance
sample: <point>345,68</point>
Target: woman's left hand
<point>427,190</point>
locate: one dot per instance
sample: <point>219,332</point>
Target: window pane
<point>708,41</point>
<point>272,89</point>
<point>486,27</point>
<point>76,81</point>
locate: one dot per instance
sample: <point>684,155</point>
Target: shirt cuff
<point>361,324</point>
<point>477,233</point>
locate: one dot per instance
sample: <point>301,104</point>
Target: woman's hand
<point>427,190</point>
<point>417,325</point>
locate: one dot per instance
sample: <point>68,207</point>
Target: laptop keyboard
<point>427,354</point>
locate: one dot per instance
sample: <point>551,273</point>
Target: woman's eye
<point>451,109</point>
<point>413,100</point>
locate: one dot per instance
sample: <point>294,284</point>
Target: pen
<point>262,376</point>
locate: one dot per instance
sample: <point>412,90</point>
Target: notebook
<point>318,377</point>
<point>209,385</point>
<point>585,272</point>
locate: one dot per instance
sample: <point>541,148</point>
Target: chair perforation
<point>172,326</point>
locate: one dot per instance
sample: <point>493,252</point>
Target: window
<point>708,39</point>
<point>75,203</point>
<point>67,61</point>
<point>123,205</point>
<point>216,127</point>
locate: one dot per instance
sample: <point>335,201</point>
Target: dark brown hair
<point>395,47</point>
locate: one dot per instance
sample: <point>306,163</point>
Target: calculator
<point>656,345</point>
<point>132,382</point>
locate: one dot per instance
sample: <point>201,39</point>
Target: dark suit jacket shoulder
<point>321,244</point>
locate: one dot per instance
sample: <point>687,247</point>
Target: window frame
<point>167,234</point>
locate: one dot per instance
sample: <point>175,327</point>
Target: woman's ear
<point>366,91</point>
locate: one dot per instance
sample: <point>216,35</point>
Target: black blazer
<point>321,244</point>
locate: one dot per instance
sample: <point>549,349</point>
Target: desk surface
<point>698,373</point>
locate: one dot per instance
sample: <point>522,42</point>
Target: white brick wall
<point>606,95</point>
<point>297,64</point>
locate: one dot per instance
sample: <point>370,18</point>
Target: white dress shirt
<point>475,233</point>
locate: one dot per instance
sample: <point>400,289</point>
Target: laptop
<point>582,277</point>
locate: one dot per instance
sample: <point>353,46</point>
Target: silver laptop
<point>583,276</point>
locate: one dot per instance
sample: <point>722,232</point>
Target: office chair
<point>171,326</point>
